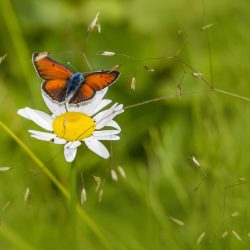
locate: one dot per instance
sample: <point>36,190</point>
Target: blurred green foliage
<point>157,139</point>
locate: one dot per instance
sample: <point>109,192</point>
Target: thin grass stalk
<point>73,205</point>
<point>22,51</point>
<point>85,217</point>
<point>14,239</point>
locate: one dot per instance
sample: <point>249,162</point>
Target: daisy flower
<point>73,124</point>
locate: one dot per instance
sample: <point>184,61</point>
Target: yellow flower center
<point>73,126</point>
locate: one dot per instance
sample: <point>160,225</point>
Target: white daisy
<point>77,124</point>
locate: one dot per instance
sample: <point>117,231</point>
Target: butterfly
<point>61,85</point>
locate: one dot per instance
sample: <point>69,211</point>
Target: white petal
<point>97,147</point>
<point>40,118</point>
<point>88,107</point>
<point>114,125</point>
<point>103,103</point>
<point>45,135</point>
<point>107,138</point>
<point>23,113</point>
<point>57,140</point>
<point>119,107</point>
<point>40,137</point>
<point>55,107</point>
<point>69,153</point>
<point>104,114</point>
<point>73,144</point>
<point>105,117</point>
<point>106,132</point>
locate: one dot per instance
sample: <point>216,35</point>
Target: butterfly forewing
<point>100,80</point>
<point>49,69</point>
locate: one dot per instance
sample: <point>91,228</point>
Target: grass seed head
<point>177,221</point>
<point>236,235</point>
<point>225,234</point>
<point>5,168</point>
<point>148,69</point>
<point>133,82</point>
<point>27,194</point>
<point>198,75</point>
<point>207,26</point>
<point>235,214</point>
<point>94,23</point>
<point>6,205</point>
<point>114,175</point>
<point>100,196</point>
<point>121,172</point>
<point>98,181</point>
<point>2,58</point>
<point>200,238</point>
<point>83,196</point>
<point>108,53</point>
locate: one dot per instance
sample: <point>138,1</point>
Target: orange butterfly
<point>60,84</point>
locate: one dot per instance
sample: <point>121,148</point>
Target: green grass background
<point>156,140</point>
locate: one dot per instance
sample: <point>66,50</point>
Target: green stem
<point>73,205</point>
<point>18,40</point>
<point>16,241</point>
<point>84,216</point>
<point>231,94</point>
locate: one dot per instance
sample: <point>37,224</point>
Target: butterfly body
<point>73,85</point>
<point>61,85</point>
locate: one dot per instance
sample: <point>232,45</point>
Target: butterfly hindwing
<point>102,79</point>
<point>49,69</point>
<point>55,89</point>
<point>93,82</point>
<point>85,93</point>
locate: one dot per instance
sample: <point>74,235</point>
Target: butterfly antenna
<point>74,68</point>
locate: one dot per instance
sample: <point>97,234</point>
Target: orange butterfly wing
<point>55,89</point>
<point>93,82</point>
<point>102,79</point>
<point>85,93</point>
<point>49,69</point>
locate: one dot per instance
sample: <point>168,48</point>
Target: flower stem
<point>83,215</point>
<point>73,205</point>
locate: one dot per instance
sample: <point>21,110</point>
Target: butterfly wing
<point>55,89</point>
<point>55,75</point>
<point>102,79</point>
<point>49,69</point>
<point>85,93</point>
<point>93,82</point>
